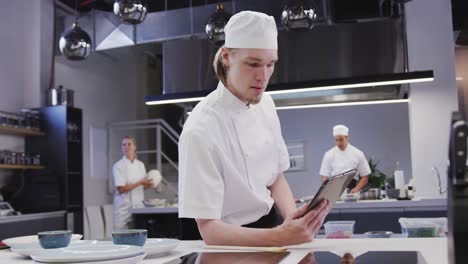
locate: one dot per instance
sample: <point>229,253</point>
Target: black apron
<point>188,229</point>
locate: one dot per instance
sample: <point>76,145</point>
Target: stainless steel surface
<point>27,217</point>
<point>338,51</point>
<point>60,96</point>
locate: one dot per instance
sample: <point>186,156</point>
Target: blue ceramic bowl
<point>134,237</point>
<point>54,239</point>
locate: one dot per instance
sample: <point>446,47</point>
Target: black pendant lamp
<point>75,43</point>
<point>130,11</point>
<point>299,15</point>
<point>215,26</point>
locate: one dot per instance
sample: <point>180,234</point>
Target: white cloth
<point>229,154</point>
<point>340,130</point>
<point>336,161</point>
<point>126,172</point>
<point>251,30</point>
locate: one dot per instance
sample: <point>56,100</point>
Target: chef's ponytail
<point>219,68</point>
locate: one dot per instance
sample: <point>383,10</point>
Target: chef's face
<point>341,141</point>
<point>128,147</point>
<point>248,72</point>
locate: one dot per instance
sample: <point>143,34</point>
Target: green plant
<point>376,177</point>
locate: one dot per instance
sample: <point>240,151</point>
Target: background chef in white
<point>130,180</point>
<point>231,152</point>
<point>344,157</point>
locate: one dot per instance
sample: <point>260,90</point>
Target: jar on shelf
<point>21,158</point>
<point>3,119</point>
<point>36,120</point>
<point>37,159</point>
<point>29,159</point>
<point>13,158</point>
<point>27,118</point>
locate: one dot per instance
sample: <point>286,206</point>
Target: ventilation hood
<point>340,63</point>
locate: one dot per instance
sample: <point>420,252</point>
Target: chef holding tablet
<point>344,157</point>
<point>231,152</point>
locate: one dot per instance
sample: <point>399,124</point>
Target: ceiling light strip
<point>175,101</point>
<point>395,101</point>
<point>348,86</point>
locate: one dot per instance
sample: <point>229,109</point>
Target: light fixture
<point>130,11</point>
<point>394,101</point>
<point>215,27</point>
<point>299,15</point>
<point>311,86</point>
<point>75,43</point>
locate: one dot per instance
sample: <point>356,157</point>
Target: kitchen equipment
<point>135,237</point>
<point>93,253</point>
<point>60,96</point>
<point>28,249</point>
<point>155,246</point>
<point>30,239</point>
<point>339,229</point>
<point>378,234</point>
<point>418,227</point>
<point>54,239</point>
<point>6,209</point>
<point>457,184</point>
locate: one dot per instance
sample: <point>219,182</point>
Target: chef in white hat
<point>231,152</point>
<point>344,157</point>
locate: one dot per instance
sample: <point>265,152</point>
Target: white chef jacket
<point>336,161</point>
<point>126,172</point>
<point>229,154</point>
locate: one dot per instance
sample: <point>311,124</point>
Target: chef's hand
<point>299,228</point>
<point>146,182</point>
<point>354,190</point>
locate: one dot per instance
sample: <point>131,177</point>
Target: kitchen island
<point>434,250</point>
<point>370,215</point>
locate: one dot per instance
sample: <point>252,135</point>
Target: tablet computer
<point>332,188</point>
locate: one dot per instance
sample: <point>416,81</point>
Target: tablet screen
<point>332,189</point>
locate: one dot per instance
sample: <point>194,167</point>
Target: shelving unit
<point>21,167</point>
<point>20,131</point>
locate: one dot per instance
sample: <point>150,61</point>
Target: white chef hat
<point>251,30</point>
<point>340,130</point>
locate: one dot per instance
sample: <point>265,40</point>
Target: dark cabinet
<point>60,186</point>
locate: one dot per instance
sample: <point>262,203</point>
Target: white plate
<point>28,249</point>
<point>131,260</point>
<point>30,239</point>
<point>155,246</point>
<point>97,252</point>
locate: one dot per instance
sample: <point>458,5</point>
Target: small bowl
<point>378,234</point>
<point>54,239</point>
<point>133,237</point>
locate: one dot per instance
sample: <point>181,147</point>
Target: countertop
<point>28,217</point>
<point>427,204</point>
<point>434,250</point>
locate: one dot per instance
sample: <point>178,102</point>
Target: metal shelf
<point>20,131</point>
<point>21,167</point>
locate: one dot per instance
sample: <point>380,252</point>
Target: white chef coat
<point>336,161</point>
<point>126,172</point>
<point>229,154</point>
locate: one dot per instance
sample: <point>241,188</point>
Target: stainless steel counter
<point>28,217</point>
<point>431,204</point>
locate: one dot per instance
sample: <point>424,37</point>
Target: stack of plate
<point>91,251</point>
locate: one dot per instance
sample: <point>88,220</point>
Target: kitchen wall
<point>431,47</point>
<point>24,60</point>
<point>461,61</point>
<point>380,131</point>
